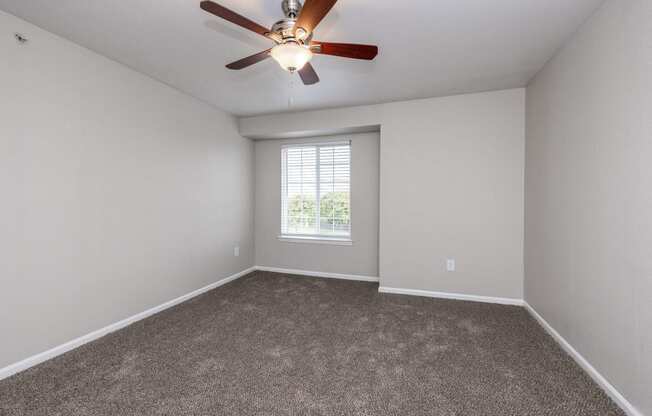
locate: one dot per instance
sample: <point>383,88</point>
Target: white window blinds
<point>316,190</point>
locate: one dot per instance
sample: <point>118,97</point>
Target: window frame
<point>315,238</point>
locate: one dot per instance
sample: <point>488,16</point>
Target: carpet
<point>274,344</point>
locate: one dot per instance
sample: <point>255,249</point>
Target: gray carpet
<point>271,344</point>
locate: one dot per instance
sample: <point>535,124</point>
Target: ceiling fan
<point>293,37</point>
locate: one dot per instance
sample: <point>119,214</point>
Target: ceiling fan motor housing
<point>285,28</point>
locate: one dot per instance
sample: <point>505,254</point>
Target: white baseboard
<point>319,274</point>
<point>446,295</point>
<point>78,342</point>
<point>586,366</point>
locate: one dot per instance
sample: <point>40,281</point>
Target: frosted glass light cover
<point>291,56</point>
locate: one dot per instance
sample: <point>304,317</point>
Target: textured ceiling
<point>427,47</point>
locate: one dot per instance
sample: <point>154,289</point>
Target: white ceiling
<point>428,48</point>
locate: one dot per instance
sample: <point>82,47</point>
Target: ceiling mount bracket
<point>291,8</point>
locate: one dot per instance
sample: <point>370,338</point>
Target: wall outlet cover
<point>450,265</point>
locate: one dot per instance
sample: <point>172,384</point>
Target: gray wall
<point>588,239</point>
<point>362,257</point>
<point>118,193</point>
<point>451,185</point>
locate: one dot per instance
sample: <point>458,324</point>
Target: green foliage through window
<point>334,214</point>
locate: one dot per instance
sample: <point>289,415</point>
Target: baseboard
<point>446,295</point>
<point>586,366</point>
<point>75,343</point>
<point>319,274</point>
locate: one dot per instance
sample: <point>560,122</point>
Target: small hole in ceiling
<point>20,38</point>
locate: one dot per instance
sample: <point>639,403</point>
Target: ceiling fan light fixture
<point>293,36</point>
<point>291,56</point>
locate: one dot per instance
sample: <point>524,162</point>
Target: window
<point>316,191</point>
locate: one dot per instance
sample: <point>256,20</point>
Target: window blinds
<point>316,190</point>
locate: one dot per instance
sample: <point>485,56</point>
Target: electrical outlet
<point>236,251</point>
<point>450,265</point>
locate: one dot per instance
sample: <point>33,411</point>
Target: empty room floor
<point>274,344</point>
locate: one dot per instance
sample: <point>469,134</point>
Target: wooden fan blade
<point>308,75</point>
<point>345,50</point>
<point>233,17</point>
<point>249,60</point>
<point>312,13</point>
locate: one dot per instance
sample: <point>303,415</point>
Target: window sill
<point>315,240</point>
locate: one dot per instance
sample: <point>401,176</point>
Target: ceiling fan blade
<point>308,75</point>
<point>312,13</point>
<point>345,50</point>
<point>249,60</point>
<point>233,17</point>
